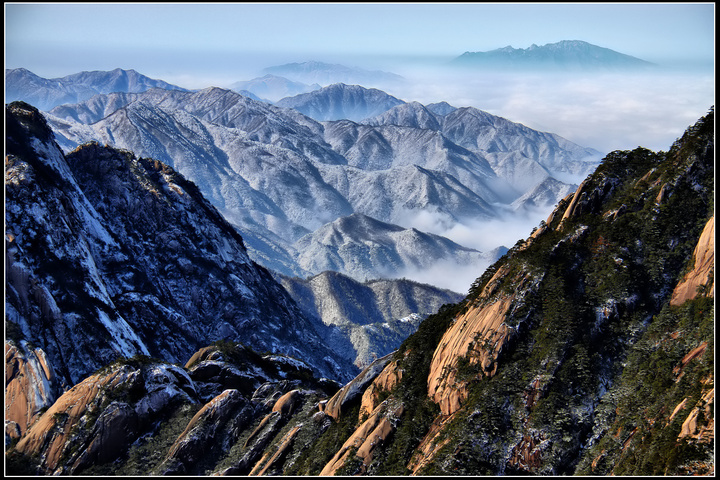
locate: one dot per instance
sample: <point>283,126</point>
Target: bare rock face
<point>355,387</point>
<point>477,336</point>
<point>460,341</point>
<point>30,387</point>
<point>698,430</point>
<point>286,404</point>
<point>362,443</point>
<point>265,463</point>
<point>702,275</point>
<point>388,378</point>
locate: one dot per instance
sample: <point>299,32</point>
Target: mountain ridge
<point>129,247</point>
<point>22,84</point>
<point>312,172</point>
<point>340,101</point>
<point>567,55</point>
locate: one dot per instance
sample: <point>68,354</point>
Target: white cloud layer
<point>612,111</point>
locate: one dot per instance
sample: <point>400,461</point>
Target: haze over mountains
<point>279,175</point>
<point>324,74</point>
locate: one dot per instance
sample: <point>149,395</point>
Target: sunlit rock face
<point>31,386</point>
<point>703,272</point>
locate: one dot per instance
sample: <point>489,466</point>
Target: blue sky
<point>187,38</point>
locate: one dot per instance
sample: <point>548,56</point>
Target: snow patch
<point>127,342</point>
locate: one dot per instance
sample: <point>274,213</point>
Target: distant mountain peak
<point>562,55</point>
<point>341,101</point>
<point>273,87</point>
<point>326,74</point>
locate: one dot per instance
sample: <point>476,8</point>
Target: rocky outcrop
<point>118,414</point>
<point>703,272</point>
<point>197,438</point>
<point>477,336</point>
<point>31,386</point>
<point>527,454</point>
<point>383,384</point>
<point>701,431</point>
<point>355,388</point>
<point>98,419</point>
<point>362,443</point>
<point>265,464</point>
<point>430,445</point>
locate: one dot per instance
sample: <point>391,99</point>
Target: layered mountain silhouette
<point>271,88</point>
<point>279,175</point>
<point>566,55</point>
<point>324,74</point>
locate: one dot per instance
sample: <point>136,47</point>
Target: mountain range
<point>310,196</point>
<point>374,317</point>
<point>566,55</point>
<point>280,175</point>
<point>587,349</point>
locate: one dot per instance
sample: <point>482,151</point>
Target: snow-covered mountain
<point>365,248</point>
<point>326,74</point>
<point>279,175</point>
<point>43,93</point>
<point>272,87</point>
<point>523,157</point>
<point>339,101</point>
<point>564,55</point>
<point>110,255</point>
<point>366,320</point>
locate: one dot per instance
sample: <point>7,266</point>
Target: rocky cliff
<point>144,416</point>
